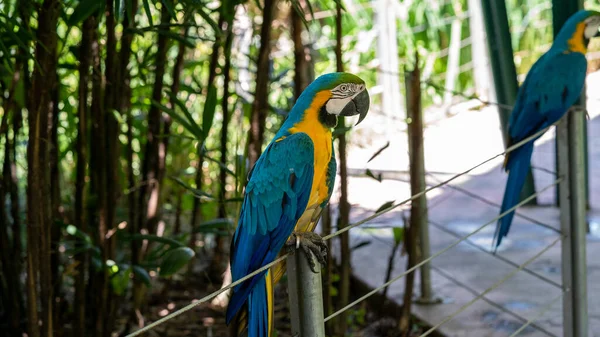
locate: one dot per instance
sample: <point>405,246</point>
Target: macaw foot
<point>310,243</point>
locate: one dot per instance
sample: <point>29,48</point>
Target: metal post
<point>562,163</point>
<point>561,11</point>
<point>571,153</point>
<point>504,71</point>
<point>306,297</point>
<point>578,222</point>
<point>418,212</point>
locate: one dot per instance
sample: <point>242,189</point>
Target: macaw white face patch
<point>341,96</point>
<point>591,26</point>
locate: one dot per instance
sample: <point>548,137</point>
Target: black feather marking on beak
<point>359,105</point>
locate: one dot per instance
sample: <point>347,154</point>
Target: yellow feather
<point>576,41</point>
<point>270,299</point>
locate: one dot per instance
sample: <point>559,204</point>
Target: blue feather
<point>518,167</point>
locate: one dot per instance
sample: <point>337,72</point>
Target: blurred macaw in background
<point>287,189</point>
<point>551,87</point>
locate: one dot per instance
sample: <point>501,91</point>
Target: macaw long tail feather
<point>257,316</point>
<point>517,166</point>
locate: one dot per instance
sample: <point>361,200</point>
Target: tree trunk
<point>111,144</point>
<point>85,62</point>
<point>223,299</point>
<point>301,72</point>
<point>22,65</point>
<point>55,203</point>
<point>97,214</point>
<point>11,251</point>
<point>38,184</point>
<point>260,105</point>
<point>149,209</point>
<point>151,166</point>
<point>122,102</point>
<point>10,278</point>
<point>226,119</point>
<point>410,243</point>
<point>197,215</point>
<point>178,205</point>
<point>216,266</point>
<point>344,206</point>
<point>176,75</point>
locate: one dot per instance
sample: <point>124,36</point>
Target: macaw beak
<point>359,105</point>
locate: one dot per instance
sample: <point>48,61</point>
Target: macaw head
<point>576,33</point>
<point>338,94</point>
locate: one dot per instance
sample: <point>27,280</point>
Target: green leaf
<point>370,174</point>
<point>156,238</point>
<point>175,259</point>
<point>220,225</point>
<point>333,291</point>
<point>84,9</point>
<point>197,193</point>
<point>120,281</point>
<point>221,165</point>
<point>78,233</point>
<point>148,12</point>
<point>209,20</point>
<point>118,9</point>
<point>398,234</point>
<point>6,57</point>
<point>169,5</point>
<point>192,128</point>
<point>142,275</point>
<point>209,110</point>
<point>300,11</point>
<point>378,152</point>
<point>386,205</point>
<point>177,37</point>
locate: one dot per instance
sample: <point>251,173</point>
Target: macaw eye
<point>343,87</point>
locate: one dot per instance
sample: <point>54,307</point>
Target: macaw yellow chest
<point>322,155</point>
<point>321,138</point>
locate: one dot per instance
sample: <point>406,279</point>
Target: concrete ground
<point>453,145</point>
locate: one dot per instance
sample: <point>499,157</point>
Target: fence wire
<point>491,203</point>
<point>496,256</point>
<point>474,292</point>
<point>350,226</point>
<point>496,285</point>
<point>445,182</point>
<point>452,245</point>
<point>539,314</point>
<point>492,303</point>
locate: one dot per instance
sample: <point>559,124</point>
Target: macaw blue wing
<point>552,86</point>
<point>276,196</point>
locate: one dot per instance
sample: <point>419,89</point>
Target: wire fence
<point>459,239</point>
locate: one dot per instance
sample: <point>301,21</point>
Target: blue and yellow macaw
<point>551,87</point>
<point>287,189</point>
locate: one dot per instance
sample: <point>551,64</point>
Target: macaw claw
<point>312,244</point>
